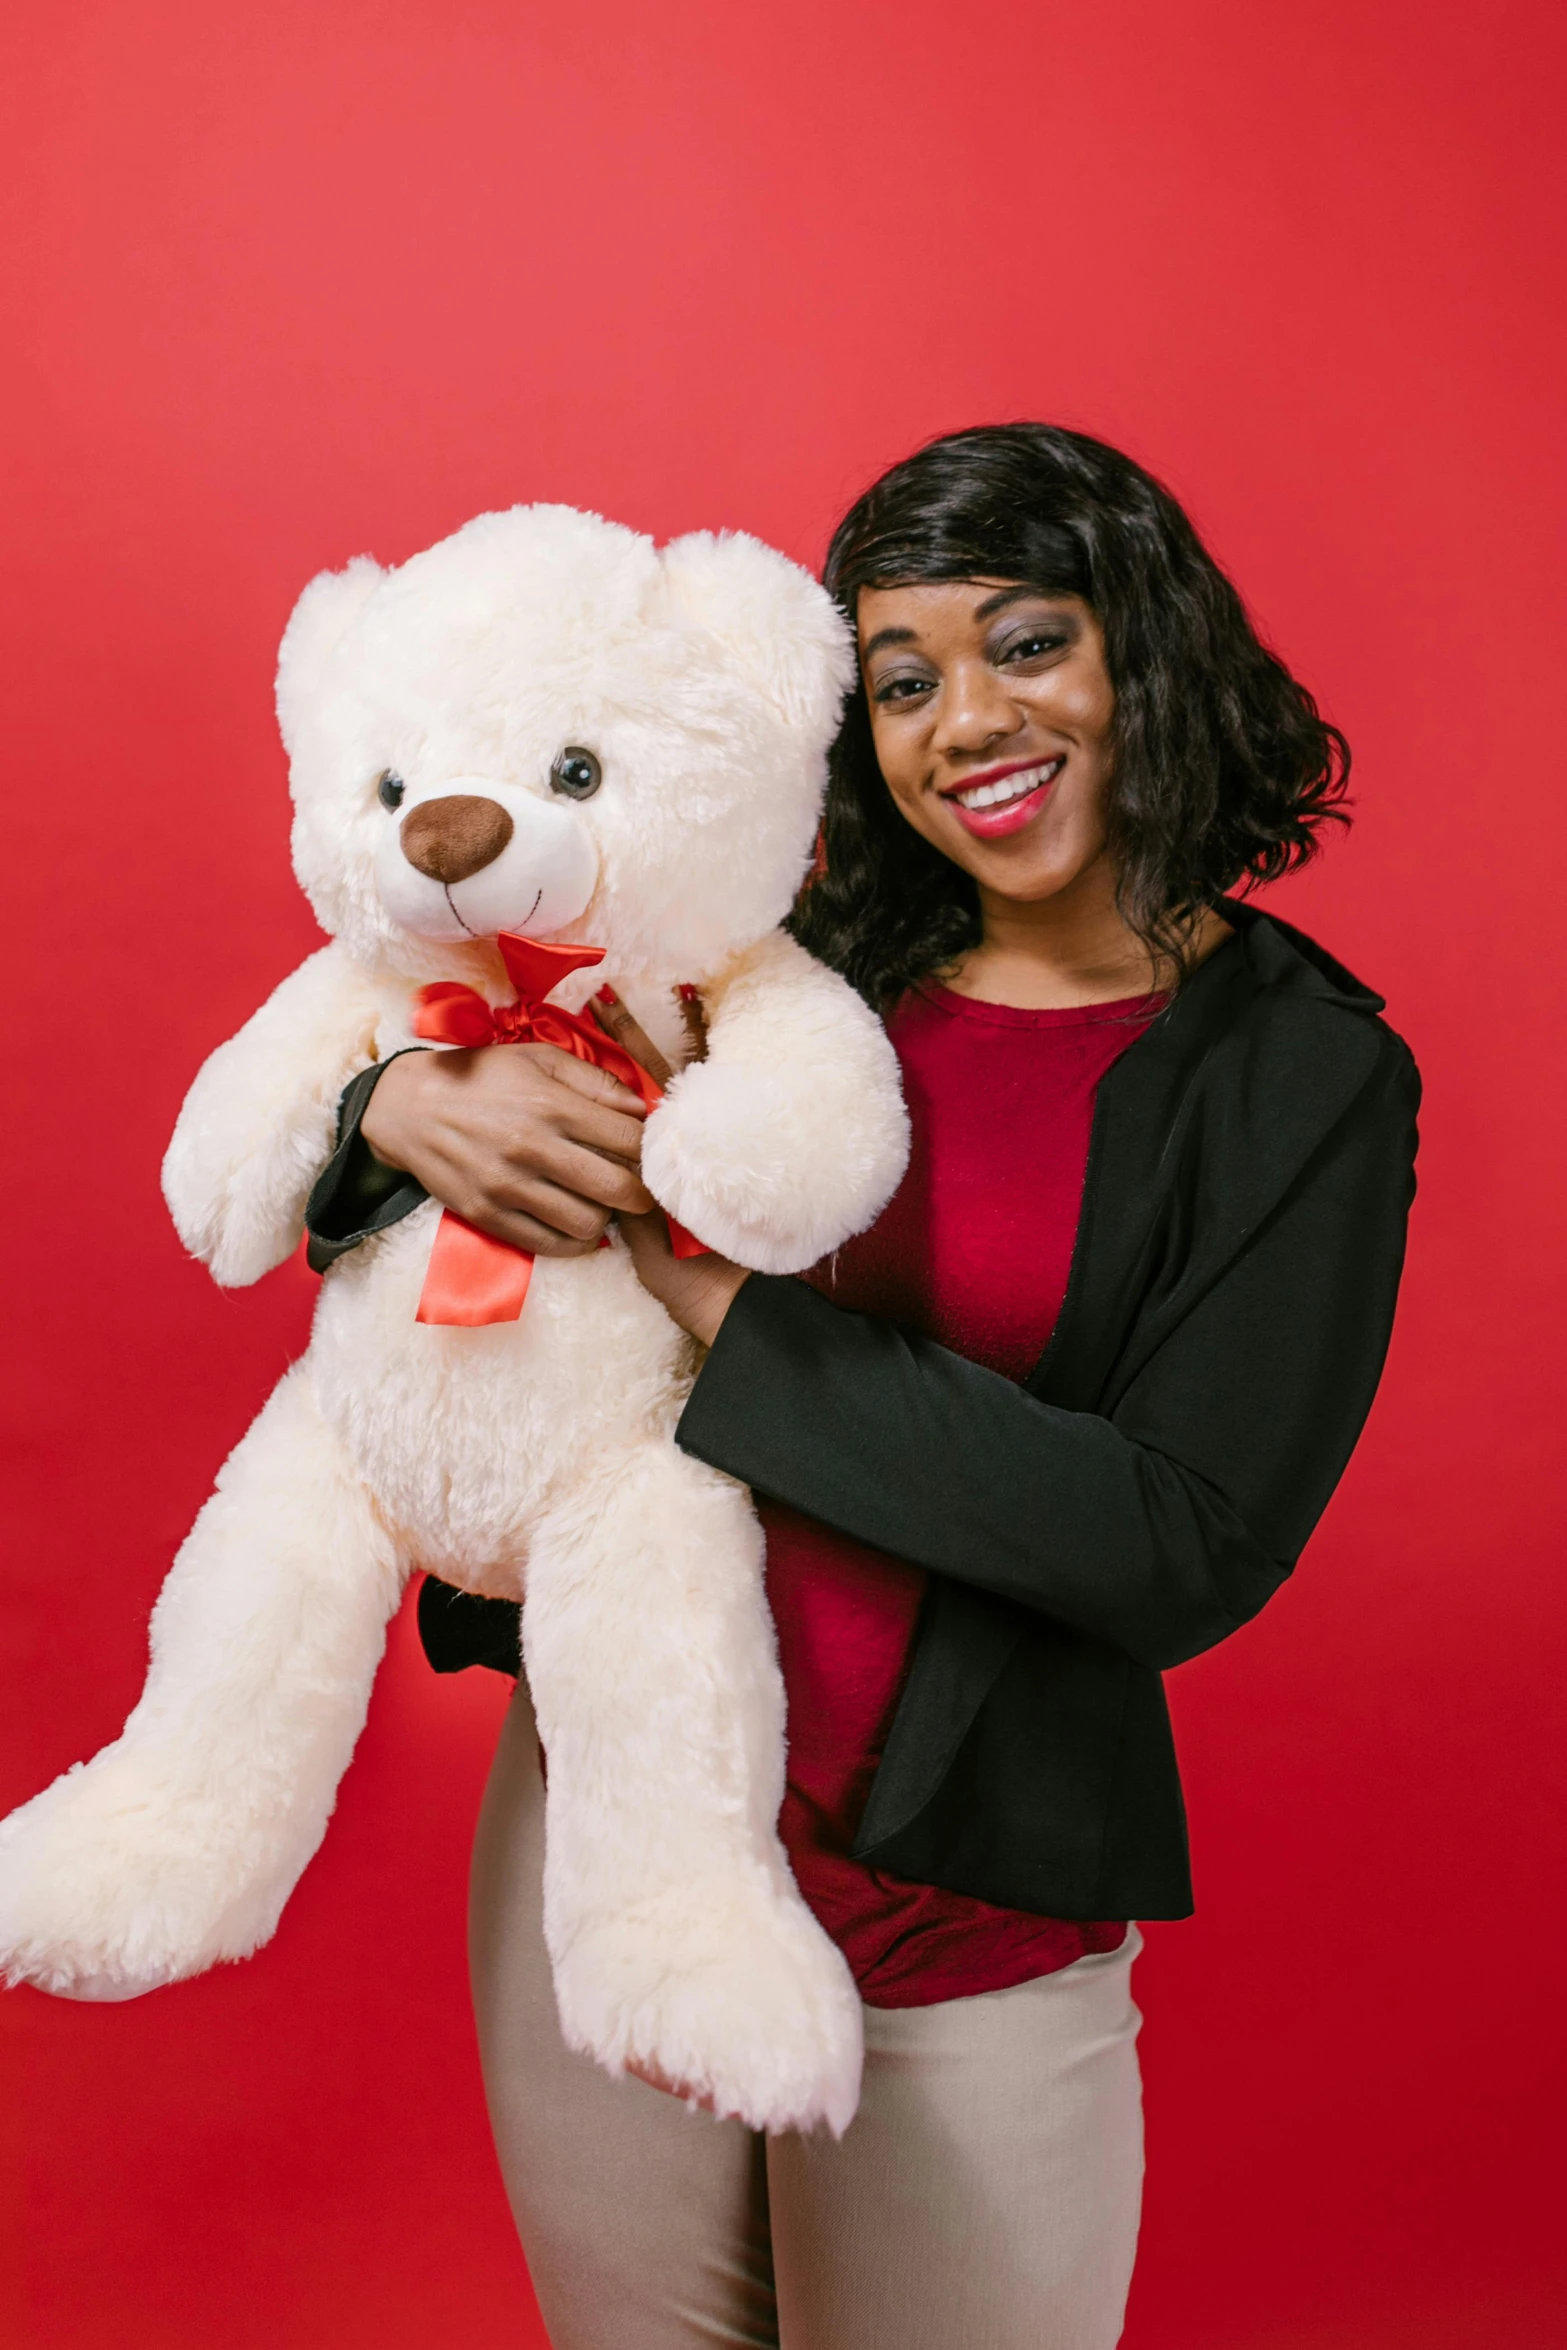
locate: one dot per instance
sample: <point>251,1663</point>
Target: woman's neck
<point>1052,954</point>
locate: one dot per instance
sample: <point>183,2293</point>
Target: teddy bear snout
<point>449,839</point>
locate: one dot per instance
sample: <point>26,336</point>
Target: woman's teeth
<point>1010,787</point>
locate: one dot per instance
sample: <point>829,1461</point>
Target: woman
<point>1064,1418</point>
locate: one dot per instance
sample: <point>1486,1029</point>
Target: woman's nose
<point>976,710</point>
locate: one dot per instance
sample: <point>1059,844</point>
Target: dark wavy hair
<point>1223,773</point>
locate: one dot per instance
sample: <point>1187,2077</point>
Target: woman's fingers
<point>587,1078</point>
<point>696,1292</point>
<point>520,1230</point>
<point>565,1193</point>
<point>652,1252</point>
<point>499,1199</point>
<point>660,2080</point>
<point>598,1175</point>
<point>630,1035</point>
<point>596,1128</point>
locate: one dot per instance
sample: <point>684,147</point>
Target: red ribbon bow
<point>473,1279</point>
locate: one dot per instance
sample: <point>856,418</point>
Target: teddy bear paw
<point>761,1174</point>
<point>745,2003</point>
<point>109,1888</point>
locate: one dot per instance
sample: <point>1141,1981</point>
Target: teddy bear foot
<point>744,2003</point>
<point>101,1990</point>
<point>110,1889</point>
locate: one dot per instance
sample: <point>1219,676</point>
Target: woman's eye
<point>390,788</point>
<point>902,689</point>
<point>1032,645</point>
<point>576,772</point>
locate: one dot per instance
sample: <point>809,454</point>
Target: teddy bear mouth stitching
<point>472,933</point>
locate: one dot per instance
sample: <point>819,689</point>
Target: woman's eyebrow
<point>887,636</point>
<point>1003,597</point>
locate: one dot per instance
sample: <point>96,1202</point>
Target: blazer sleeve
<point>1160,1527</point>
<point>356,1194</point>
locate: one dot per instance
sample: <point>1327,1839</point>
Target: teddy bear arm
<point>259,1122</point>
<point>791,1134</point>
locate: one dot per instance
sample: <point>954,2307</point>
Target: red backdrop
<point>285,282</point>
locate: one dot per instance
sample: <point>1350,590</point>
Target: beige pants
<point>985,2197</point>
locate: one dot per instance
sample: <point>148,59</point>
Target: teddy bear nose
<point>451,838</point>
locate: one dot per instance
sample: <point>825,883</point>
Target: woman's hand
<point>522,1140</point>
<point>696,1292</point>
<point>657,2080</point>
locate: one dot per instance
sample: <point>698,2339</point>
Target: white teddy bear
<point>545,725</point>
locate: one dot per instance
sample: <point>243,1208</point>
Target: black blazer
<point>1147,1489</point>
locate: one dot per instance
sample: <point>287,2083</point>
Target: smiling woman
<point>1063,1417</point>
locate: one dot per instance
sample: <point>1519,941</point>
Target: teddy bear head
<point>547,724</point>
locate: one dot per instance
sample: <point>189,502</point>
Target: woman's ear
<point>782,631</point>
<point>317,626</point>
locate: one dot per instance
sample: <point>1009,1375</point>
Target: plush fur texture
<point>533,1459</point>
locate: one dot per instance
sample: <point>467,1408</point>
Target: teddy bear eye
<point>576,772</point>
<point>390,788</point>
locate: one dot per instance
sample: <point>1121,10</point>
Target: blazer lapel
<point>1210,1117</point>
<point>965,1638</point>
<point>1134,1152</point>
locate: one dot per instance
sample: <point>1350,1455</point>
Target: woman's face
<point>991,708</point>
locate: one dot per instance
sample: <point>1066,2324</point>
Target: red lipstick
<point>1003,811</point>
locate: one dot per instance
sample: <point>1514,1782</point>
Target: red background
<point>287,281</point>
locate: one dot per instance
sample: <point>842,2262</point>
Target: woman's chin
<point>1025,872</point>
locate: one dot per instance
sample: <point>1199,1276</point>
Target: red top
<point>974,1250</point>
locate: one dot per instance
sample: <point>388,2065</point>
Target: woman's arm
<point>1160,1528</point>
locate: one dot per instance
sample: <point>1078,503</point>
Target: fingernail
<point>607,995</point>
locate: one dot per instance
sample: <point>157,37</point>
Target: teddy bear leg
<point>179,1844</point>
<point>678,1937</point>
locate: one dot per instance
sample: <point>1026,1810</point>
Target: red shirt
<point>974,1250</point>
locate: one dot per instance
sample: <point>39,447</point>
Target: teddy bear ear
<point>317,626</point>
<point>781,629</point>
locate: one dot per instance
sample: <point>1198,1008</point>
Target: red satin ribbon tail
<point>534,967</point>
<point>473,1280</point>
<point>684,1243</point>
